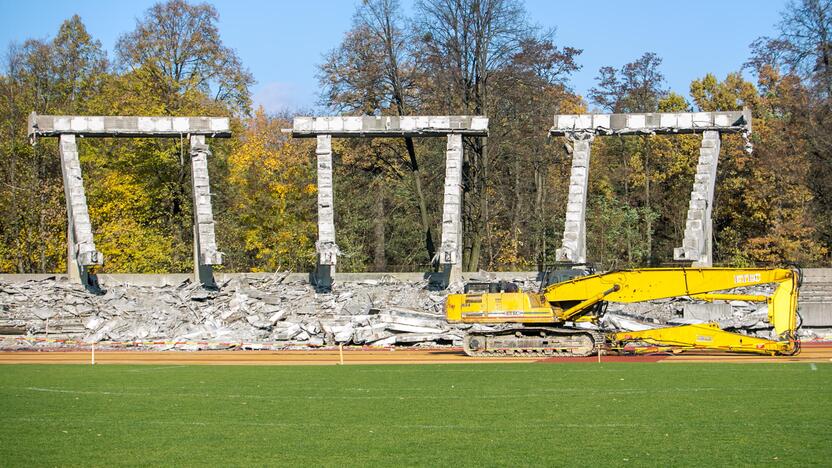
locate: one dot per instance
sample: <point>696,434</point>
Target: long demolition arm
<point>649,284</point>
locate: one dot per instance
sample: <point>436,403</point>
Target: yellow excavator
<point>553,321</point>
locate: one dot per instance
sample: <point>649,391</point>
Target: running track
<point>811,352</point>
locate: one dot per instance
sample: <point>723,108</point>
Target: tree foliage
<point>483,57</point>
<point>176,46</point>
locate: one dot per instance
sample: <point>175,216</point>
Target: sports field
<point>670,414</point>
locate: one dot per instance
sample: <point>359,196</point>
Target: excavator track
<point>528,342</point>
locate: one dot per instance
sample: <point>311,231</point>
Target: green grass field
<point>432,415</point>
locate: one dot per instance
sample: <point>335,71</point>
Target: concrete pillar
<point>205,242</point>
<point>697,244</point>
<point>326,247</point>
<point>450,250</point>
<point>573,245</point>
<point>81,252</point>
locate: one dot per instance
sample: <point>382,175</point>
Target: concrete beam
<point>205,243</point>
<point>389,126</point>
<point>653,123</point>
<point>81,251</point>
<point>450,251</point>
<point>573,244</point>
<point>697,245</point>
<point>117,126</point>
<point>326,247</point>
<point>324,128</point>
<point>699,231</point>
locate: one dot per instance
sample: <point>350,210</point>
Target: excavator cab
<point>561,272</point>
<point>493,287</point>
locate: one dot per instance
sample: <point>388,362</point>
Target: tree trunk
<point>648,215</point>
<point>515,213</point>
<point>416,176</point>
<point>474,203</point>
<point>484,231</point>
<point>627,197</point>
<point>540,213</point>
<point>379,221</point>
<point>468,232</point>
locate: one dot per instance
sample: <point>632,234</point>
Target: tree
<point>373,71</point>
<point>525,94</point>
<point>57,76</point>
<point>271,180</point>
<point>637,86</point>
<point>384,67</point>
<point>804,45</point>
<point>733,93</point>
<point>464,45</point>
<point>178,48</point>
<point>803,49</point>
<point>172,63</point>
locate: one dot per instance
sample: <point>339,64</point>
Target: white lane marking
<point>304,425</point>
<point>82,392</point>
<point>149,369</point>
<point>583,391</point>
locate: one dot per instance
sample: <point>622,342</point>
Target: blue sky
<point>282,41</point>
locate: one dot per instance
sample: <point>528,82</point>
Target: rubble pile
<point>273,313</point>
<point>374,312</point>
<point>731,315</point>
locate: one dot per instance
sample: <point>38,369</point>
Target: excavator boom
<point>549,312</point>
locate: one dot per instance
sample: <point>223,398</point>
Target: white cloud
<point>280,96</point>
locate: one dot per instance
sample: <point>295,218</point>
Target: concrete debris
<point>707,312</point>
<point>614,321</point>
<point>274,314</point>
<point>244,312</point>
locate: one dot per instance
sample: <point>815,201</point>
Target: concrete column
<point>450,250</point>
<point>697,244</point>
<point>573,245</point>
<point>326,247</point>
<point>81,252</point>
<point>205,242</point>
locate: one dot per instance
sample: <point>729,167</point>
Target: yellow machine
<point>548,322</point>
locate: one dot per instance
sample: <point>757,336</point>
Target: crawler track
<point>535,342</point>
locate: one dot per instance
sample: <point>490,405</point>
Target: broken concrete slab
<point>707,312</point>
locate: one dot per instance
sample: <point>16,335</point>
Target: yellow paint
<point>574,300</point>
<point>703,336</point>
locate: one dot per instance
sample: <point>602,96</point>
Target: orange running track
<point>814,352</point>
